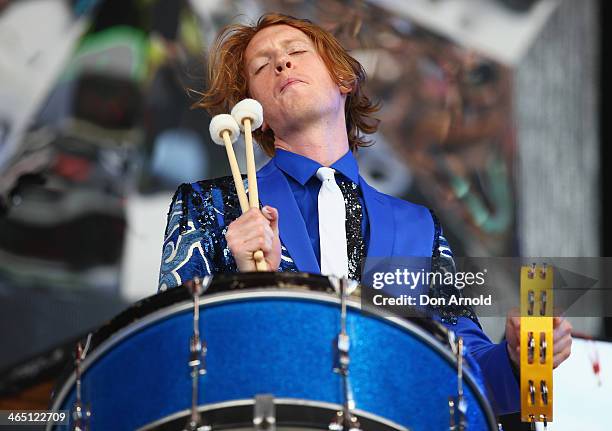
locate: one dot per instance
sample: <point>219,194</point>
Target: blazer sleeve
<point>500,378</point>
<point>188,250</point>
<point>494,363</point>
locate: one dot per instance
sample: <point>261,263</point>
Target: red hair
<point>228,82</point>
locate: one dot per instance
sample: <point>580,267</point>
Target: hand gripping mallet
<point>225,131</point>
<point>248,113</point>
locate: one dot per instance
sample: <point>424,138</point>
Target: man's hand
<point>255,230</point>
<point>562,338</point>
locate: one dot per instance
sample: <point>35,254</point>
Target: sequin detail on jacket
<point>194,239</point>
<point>442,261</point>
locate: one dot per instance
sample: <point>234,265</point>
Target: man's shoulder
<point>224,184</point>
<point>207,194</point>
<point>403,207</point>
<point>207,201</point>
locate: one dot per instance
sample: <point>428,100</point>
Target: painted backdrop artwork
<point>446,117</point>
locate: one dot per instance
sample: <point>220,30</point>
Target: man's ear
<point>345,89</point>
<point>344,86</point>
<point>264,126</point>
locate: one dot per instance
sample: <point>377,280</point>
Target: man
<point>315,116</point>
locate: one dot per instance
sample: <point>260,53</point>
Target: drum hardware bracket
<point>344,419</point>
<point>197,355</point>
<point>458,406</point>
<point>80,413</point>
<point>264,413</point>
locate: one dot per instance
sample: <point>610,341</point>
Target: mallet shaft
<point>242,197</point>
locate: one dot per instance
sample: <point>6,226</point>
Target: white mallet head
<point>222,122</point>
<point>248,108</point>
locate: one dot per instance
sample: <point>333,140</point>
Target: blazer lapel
<point>380,219</point>
<point>274,191</point>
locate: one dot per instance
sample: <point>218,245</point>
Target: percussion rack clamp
<point>344,419</point>
<point>197,355</point>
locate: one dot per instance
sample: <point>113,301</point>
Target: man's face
<point>288,77</point>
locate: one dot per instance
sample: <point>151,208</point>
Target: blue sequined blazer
<point>195,245</point>
<point>200,213</point>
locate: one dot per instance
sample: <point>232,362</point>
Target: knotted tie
<point>332,228</point>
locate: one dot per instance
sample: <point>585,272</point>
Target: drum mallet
<point>225,131</point>
<point>248,113</point>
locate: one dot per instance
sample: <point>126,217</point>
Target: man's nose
<point>283,63</point>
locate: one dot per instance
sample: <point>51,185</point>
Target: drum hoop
<point>298,402</point>
<point>245,294</point>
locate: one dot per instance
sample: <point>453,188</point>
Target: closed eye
<point>297,52</point>
<point>260,68</point>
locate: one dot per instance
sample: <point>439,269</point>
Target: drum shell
<point>277,342</point>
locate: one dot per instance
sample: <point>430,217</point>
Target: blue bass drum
<point>268,333</point>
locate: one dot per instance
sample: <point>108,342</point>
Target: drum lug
<point>197,355</point>
<point>458,405</point>
<point>195,425</point>
<point>344,422</point>
<point>81,414</point>
<point>264,413</point>
<point>344,419</point>
<point>341,354</point>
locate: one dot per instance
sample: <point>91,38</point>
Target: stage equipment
<point>536,335</point>
<point>269,351</point>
